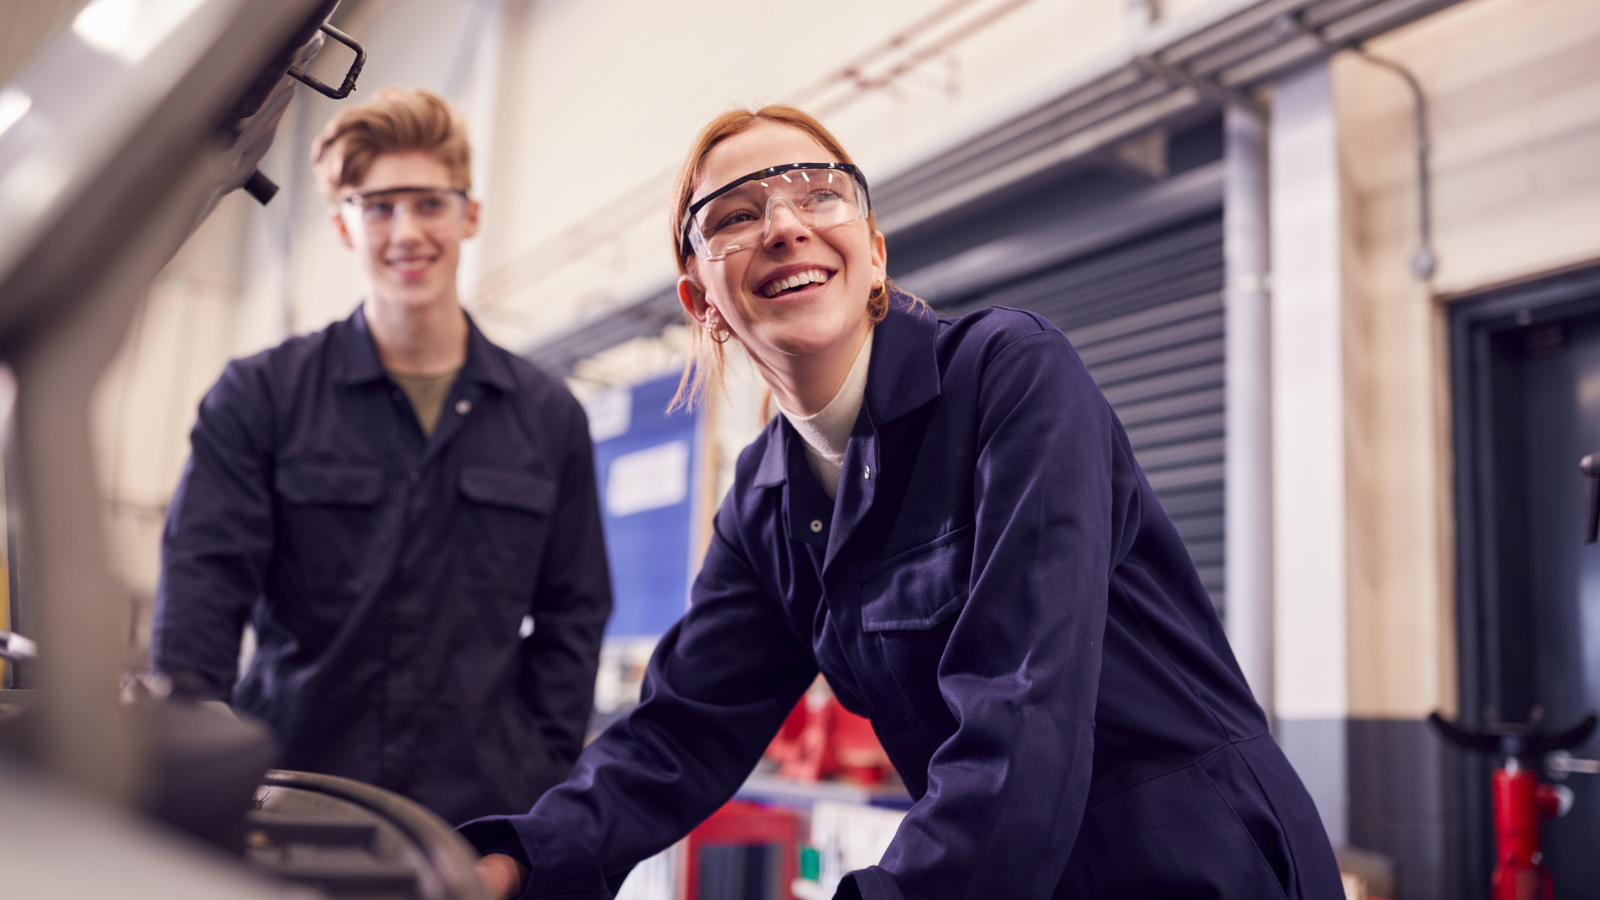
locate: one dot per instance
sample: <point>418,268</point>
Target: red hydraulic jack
<point>1520,800</point>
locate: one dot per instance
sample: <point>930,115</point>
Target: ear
<point>880,257</point>
<point>340,227</point>
<point>471,222</point>
<point>693,298</point>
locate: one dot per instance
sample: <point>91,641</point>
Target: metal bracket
<point>17,648</point>
<point>1560,764</point>
<point>1209,88</point>
<point>349,85</point>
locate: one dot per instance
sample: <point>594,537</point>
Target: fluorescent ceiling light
<point>14,104</point>
<point>130,29</point>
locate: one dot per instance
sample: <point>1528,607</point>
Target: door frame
<point>1474,321</point>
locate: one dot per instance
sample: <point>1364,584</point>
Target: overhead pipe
<point>1424,262</point>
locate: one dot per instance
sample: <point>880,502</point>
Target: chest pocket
<point>319,483</point>
<point>504,525</point>
<point>920,588</point>
<point>325,529</point>
<point>530,492</point>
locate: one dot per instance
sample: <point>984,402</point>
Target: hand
<point>502,876</point>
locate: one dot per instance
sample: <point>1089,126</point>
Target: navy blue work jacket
<point>998,590</point>
<point>387,573</point>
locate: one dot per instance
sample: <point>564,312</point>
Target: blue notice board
<point>647,464</point>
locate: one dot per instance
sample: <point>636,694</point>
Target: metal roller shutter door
<point>1147,318</point>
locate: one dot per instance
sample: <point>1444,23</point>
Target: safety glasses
<point>738,215</point>
<point>374,211</point>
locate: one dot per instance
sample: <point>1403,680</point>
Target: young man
<point>404,511</point>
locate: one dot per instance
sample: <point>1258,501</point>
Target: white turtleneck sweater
<point>827,432</point>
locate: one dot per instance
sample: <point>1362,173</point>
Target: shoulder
<point>253,394</point>
<point>276,371</point>
<point>970,345</point>
<point>995,329</point>
<point>541,398</point>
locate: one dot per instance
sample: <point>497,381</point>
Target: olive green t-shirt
<point>427,393</point>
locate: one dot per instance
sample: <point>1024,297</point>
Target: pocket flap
<point>321,482</point>
<point>920,588</point>
<point>517,488</point>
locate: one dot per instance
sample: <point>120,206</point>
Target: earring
<point>714,328</point>
<point>878,301</point>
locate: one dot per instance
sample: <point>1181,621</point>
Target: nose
<point>403,224</point>
<point>784,224</point>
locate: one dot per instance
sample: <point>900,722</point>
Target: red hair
<point>706,359</point>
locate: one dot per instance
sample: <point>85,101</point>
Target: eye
<point>429,206</point>
<point>378,209</point>
<point>821,198</point>
<point>733,219</point>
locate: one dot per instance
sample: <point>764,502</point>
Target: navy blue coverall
<point>998,590</point>
<point>387,573</point>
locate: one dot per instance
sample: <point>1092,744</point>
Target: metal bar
<point>350,75</point>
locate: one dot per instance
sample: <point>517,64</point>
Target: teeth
<point>810,276</point>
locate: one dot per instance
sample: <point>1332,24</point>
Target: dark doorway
<point>1526,365</point>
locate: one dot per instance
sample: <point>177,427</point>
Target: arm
<point>217,543</point>
<point>571,603</point>
<point>718,686</point>
<point>1020,672</point>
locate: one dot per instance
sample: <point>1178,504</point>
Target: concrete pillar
<point>1308,490</point>
<point>1248,565</point>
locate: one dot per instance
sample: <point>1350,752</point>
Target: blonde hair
<point>706,359</point>
<point>395,120</point>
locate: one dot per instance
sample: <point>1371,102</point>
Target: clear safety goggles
<point>738,215</point>
<point>375,211</point>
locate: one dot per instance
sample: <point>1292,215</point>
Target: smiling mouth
<point>795,282</point>
<point>410,265</point>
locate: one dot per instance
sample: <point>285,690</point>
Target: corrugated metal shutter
<point>1147,318</point>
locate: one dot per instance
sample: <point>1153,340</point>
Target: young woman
<point>947,521</point>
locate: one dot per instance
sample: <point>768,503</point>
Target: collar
<point>827,431</point>
<point>356,361</point>
<point>903,376</point>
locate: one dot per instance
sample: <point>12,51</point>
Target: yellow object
<point>5,610</point>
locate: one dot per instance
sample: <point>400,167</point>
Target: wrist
<point>502,876</point>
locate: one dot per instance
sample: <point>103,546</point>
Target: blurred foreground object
<point>116,141</point>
